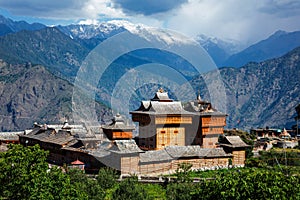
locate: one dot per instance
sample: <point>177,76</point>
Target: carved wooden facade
<point>210,123</point>
<point>163,122</point>
<point>211,127</point>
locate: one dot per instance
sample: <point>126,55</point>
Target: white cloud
<point>247,20</point>
<point>240,20</point>
<point>63,9</point>
<point>105,8</point>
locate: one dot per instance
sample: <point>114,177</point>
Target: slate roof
<point>10,135</point>
<point>161,104</point>
<point>118,123</point>
<point>194,151</point>
<point>155,156</point>
<point>125,146</point>
<point>50,136</point>
<point>167,107</point>
<point>175,152</point>
<point>234,142</point>
<point>161,96</point>
<point>118,146</point>
<point>63,136</point>
<point>144,106</point>
<point>202,108</point>
<point>162,108</point>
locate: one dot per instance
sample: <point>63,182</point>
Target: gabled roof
<point>175,152</point>
<point>167,107</point>
<point>194,151</point>
<point>202,108</point>
<point>10,135</point>
<point>144,106</point>
<point>63,136</point>
<point>50,136</point>
<point>77,162</point>
<point>125,146</point>
<point>161,96</point>
<point>120,147</point>
<point>162,108</point>
<point>233,141</point>
<point>155,156</point>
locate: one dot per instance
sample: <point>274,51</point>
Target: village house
<point>169,134</point>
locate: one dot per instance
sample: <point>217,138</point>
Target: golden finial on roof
<point>161,90</point>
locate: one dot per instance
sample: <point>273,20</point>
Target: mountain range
<point>31,93</point>
<point>260,94</point>
<point>39,65</point>
<point>10,26</point>
<point>274,46</point>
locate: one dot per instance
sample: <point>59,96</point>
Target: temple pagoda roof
<point>118,123</point>
<point>161,96</point>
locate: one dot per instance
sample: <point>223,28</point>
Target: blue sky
<point>247,21</point>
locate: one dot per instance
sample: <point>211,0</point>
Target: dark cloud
<point>286,8</point>
<point>147,7</point>
<point>40,8</point>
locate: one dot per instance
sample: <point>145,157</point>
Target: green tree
<point>24,174</point>
<point>89,187</point>
<point>180,191</point>
<point>155,191</point>
<point>107,178</point>
<point>130,189</point>
<point>250,184</point>
<point>183,172</point>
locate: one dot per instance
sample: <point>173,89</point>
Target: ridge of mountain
<point>224,53</point>
<point>30,93</point>
<point>219,50</point>
<point>261,94</point>
<point>90,35</point>
<point>99,32</point>
<point>274,46</point>
<point>15,26</point>
<point>255,96</point>
<point>48,47</point>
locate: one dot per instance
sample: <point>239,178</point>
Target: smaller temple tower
<point>118,130</point>
<point>210,122</point>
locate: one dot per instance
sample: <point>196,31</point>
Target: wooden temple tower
<point>164,122</point>
<point>210,122</point>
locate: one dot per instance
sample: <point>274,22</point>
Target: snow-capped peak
<point>133,28</point>
<point>229,45</point>
<point>150,33</point>
<point>110,28</point>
